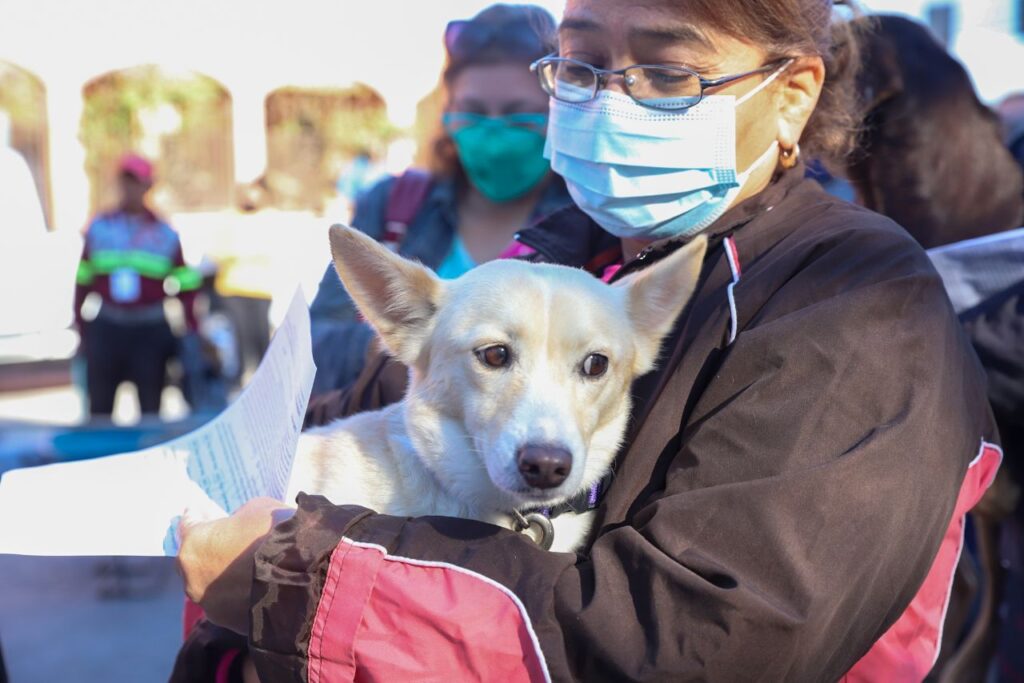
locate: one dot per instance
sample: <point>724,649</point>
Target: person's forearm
<point>216,559</point>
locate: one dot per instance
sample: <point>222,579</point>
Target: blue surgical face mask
<point>650,174</point>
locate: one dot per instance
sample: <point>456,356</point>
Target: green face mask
<point>502,155</point>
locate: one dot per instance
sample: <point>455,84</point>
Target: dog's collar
<point>584,501</point>
<point>537,526</point>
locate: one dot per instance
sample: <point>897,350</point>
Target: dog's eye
<point>496,356</point>
<point>595,365</point>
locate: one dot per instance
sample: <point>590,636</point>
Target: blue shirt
<point>458,261</point>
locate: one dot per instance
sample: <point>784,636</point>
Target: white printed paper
<point>129,504</point>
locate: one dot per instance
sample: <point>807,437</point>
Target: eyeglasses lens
<point>570,82</point>
<point>658,87</point>
<point>663,88</point>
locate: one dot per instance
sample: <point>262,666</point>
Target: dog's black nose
<point>544,467</point>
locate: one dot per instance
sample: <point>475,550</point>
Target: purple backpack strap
<point>406,197</point>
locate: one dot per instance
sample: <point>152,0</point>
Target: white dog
<point>519,386</point>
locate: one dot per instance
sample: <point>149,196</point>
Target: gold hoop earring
<point>789,156</point>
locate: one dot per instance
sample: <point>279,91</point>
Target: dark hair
<point>788,28</point>
<point>932,154</point>
<point>499,34</point>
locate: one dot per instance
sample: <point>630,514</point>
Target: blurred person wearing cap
<point>487,179</point>
<point>132,260</point>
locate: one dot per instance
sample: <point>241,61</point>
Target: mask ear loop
<point>787,157</point>
<point>766,82</point>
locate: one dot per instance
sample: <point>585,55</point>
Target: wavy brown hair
<point>789,28</point>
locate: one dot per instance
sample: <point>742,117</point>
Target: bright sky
<point>391,44</point>
<point>394,45</point>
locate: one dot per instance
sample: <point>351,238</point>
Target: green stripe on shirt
<point>142,262</point>
<point>85,275</point>
<point>189,279</point>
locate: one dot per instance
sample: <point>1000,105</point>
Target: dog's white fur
<point>449,448</point>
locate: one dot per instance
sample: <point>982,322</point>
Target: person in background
<point>932,155</point>
<point>132,260</point>
<point>995,326</point>
<point>242,285</point>
<point>357,176</point>
<point>487,181</point>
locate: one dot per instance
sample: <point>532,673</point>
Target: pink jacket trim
<point>400,619</point>
<point>909,649</point>
<point>224,666</point>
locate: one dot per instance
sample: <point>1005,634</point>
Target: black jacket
<point>777,504</point>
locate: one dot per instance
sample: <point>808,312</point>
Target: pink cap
<point>136,166</point>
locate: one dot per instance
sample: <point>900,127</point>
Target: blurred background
<point>264,121</point>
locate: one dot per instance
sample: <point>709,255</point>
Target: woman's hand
<point>216,559</point>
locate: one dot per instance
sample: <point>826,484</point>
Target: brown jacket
<point>778,503</point>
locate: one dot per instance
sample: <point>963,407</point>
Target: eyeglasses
<point>651,85</point>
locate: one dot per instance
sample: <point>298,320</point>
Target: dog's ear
<point>398,297</point>
<point>657,295</point>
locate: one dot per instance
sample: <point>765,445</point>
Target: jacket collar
<point>570,237</point>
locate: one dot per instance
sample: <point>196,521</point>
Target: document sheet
<point>130,504</point>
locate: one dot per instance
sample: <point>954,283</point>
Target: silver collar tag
<point>536,527</point>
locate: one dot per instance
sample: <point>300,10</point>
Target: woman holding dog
<point>789,501</point>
